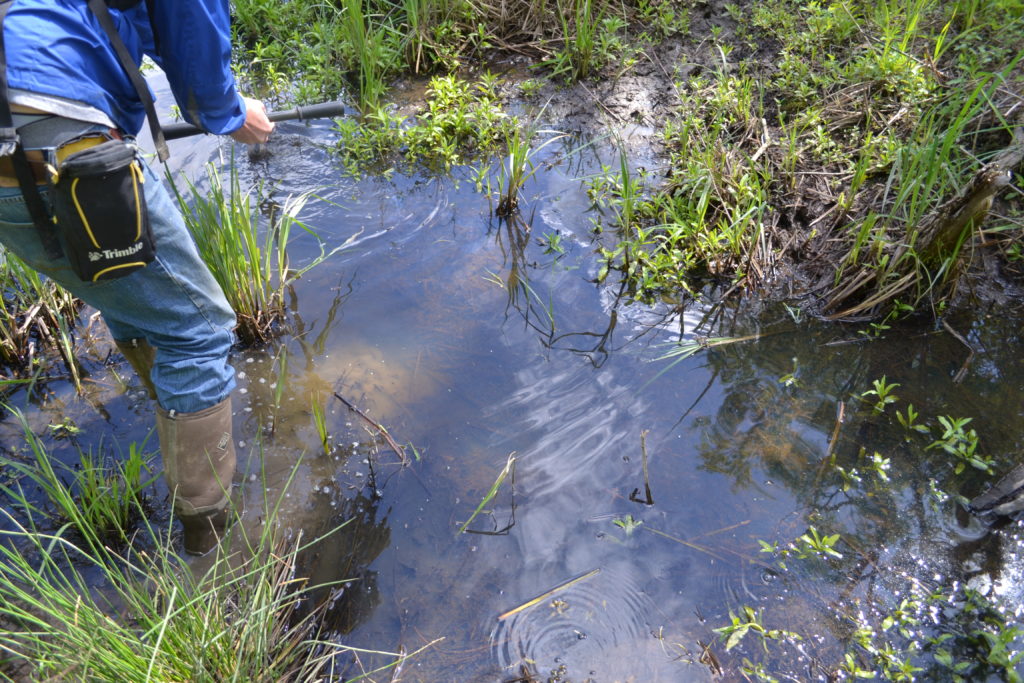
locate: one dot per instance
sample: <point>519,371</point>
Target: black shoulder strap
<point>10,145</point>
<point>99,8</point>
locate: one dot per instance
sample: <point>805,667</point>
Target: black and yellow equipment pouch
<point>100,209</point>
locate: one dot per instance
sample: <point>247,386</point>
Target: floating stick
<point>541,598</point>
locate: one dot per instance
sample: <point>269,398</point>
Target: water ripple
<point>579,624</point>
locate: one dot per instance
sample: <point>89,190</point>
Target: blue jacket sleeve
<point>193,47</point>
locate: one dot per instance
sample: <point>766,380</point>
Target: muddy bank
<point>813,210</point>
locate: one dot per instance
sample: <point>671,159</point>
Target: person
<point>169,318</point>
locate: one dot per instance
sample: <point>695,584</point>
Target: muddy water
<point>462,336</point>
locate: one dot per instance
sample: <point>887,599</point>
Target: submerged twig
<point>840,415</point>
<point>959,376</point>
<point>688,544</point>
<point>544,596</point>
<point>649,500</point>
<point>379,427</point>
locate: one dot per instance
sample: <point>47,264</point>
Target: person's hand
<point>257,127</point>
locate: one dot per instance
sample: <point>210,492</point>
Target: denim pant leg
<point>174,302</point>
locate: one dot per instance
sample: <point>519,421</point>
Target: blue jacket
<point>56,47</point>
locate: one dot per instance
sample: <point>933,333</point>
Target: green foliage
<point>628,524</point>
<point>708,219</point>
<point>882,395</point>
<point>508,471</point>
<point>461,120</point>
<point>320,422</point>
<point>373,46</point>
<point>169,626</point>
<point>747,621</point>
<point>100,498</point>
<point>809,544</point>
<point>518,167</point>
<point>245,617</point>
<point>248,259</point>
<point>962,444</point>
<point>909,420</point>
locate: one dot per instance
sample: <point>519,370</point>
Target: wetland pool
<point>475,341</point>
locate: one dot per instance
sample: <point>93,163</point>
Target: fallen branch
<point>379,427</point>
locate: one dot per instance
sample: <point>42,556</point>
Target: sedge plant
<point>75,610</point>
<point>248,259</point>
<point>99,498</point>
<point>519,166</point>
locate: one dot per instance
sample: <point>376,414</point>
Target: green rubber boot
<point>199,462</point>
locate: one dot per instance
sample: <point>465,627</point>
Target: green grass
<point>74,606</point>
<point>248,258</point>
<point>100,498</point>
<point>154,621</point>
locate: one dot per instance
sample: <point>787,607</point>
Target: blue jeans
<point>174,303</point>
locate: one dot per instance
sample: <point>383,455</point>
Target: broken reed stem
<point>379,427</point>
<point>840,415</point>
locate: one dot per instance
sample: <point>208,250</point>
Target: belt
<point>37,160</point>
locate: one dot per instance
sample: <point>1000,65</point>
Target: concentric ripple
<point>579,624</point>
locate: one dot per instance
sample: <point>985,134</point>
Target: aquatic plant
<point>962,444</point>
<point>460,121</point>
<point>518,167</point>
<point>320,422</point>
<point>85,610</point>
<point>248,259</point>
<point>627,524</point>
<point>747,621</point>
<point>100,497</point>
<point>509,470</point>
<point>881,393</point>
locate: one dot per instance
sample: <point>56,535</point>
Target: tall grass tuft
<point>238,623</point>
<point>518,167</point>
<point>249,260</point>
<point>72,610</point>
<point>373,49</point>
<point>581,23</point>
<point>99,499</point>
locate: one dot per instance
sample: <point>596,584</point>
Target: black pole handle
<point>173,131</point>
